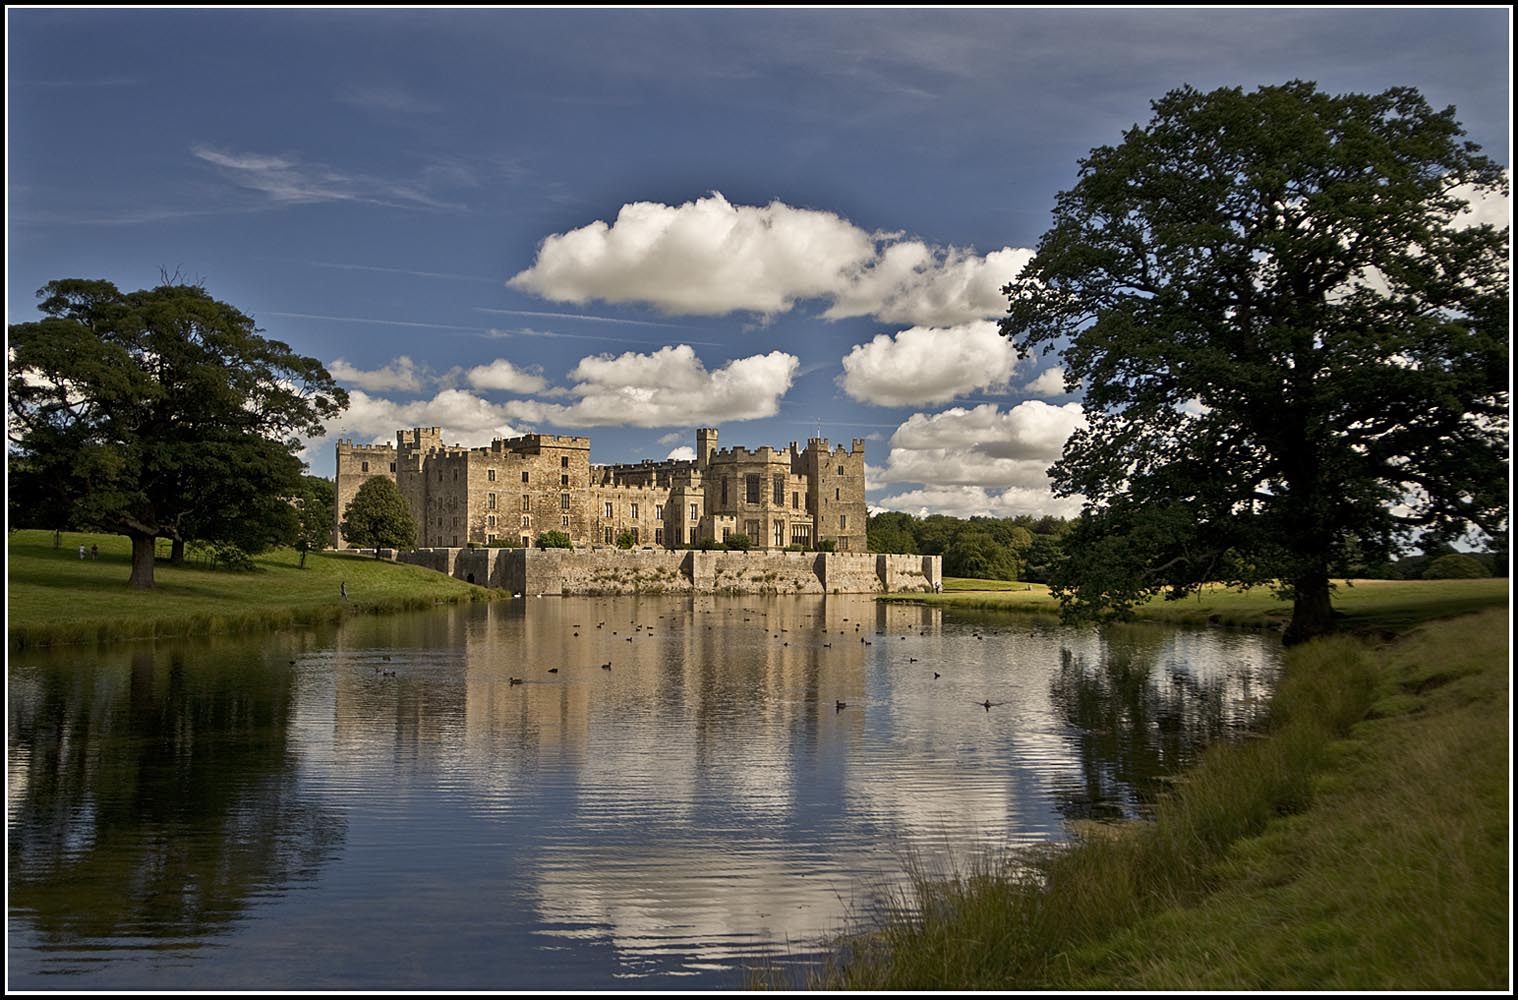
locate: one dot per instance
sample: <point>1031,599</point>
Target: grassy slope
<point>1362,846</point>
<point>1367,605</point>
<point>1396,879</point>
<point>53,597</point>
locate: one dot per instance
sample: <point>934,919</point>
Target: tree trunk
<point>302,557</point>
<point>142,561</point>
<point>176,552</point>
<point>1312,615</point>
<point>57,538</point>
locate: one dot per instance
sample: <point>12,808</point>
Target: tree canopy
<point>379,517</point>
<point>160,413</point>
<point>1294,344</point>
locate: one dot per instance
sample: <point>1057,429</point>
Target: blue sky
<point>630,224</point>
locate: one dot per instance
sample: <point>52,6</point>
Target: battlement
<point>347,445</point>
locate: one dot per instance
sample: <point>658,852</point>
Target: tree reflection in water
<point>1136,720</point>
<point>153,803</point>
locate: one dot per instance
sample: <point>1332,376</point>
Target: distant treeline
<point>986,548</point>
<point>1027,547</point>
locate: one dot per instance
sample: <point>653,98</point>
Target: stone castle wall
<point>556,572</point>
<point>515,489</point>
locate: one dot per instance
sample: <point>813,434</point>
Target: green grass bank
<point>52,597</point>
<point>1360,844</point>
<point>1383,607</point>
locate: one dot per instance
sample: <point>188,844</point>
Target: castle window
<point>658,536</point>
<point>564,480</point>
<point>801,534</point>
<point>392,466</point>
<point>564,462</point>
<point>490,501</point>
<point>658,512</point>
<point>724,491</point>
<point>727,533</point>
<point>752,488</point>
<point>840,470</point>
<point>779,534</point>
<point>490,475</point>
<point>634,512</point>
<point>564,520</point>
<point>695,515</point>
<point>608,536</point>
<point>634,533</point>
<point>751,529</point>
<point>779,491</point>
<point>455,475</point>
<point>526,520</point>
<point>843,522</point>
<point>363,466</point>
<point>489,539</point>
<point>524,477</point>
<point>526,502</point>
<point>563,501</point>
<point>440,475</point>
<point>795,501</point>
<point>679,535</point>
<point>608,512</point>
<point>490,521</point>
<point>837,493</point>
<point>526,542</point>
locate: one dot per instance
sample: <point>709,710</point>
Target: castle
<point>514,489</point>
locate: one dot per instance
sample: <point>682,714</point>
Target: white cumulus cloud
<point>982,460</point>
<point>402,373</point>
<point>464,417</point>
<point>503,375</point>
<point>685,454</point>
<point>1050,382</point>
<point>706,257</point>
<point>711,257</point>
<point>972,501</point>
<point>667,388</point>
<point>911,282</point>
<point>923,365</point>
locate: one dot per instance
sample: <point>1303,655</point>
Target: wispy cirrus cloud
<point>288,180</point>
<point>388,99</point>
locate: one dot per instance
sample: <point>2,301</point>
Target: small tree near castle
<point>378,517</point>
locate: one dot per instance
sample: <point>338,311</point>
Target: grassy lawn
<point>1380,606</point>
<point>1362,846</point>
<point>53,597</point>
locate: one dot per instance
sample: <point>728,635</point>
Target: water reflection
<point>1144,702</point>
<point>703,803</point>
<point>151,801</point>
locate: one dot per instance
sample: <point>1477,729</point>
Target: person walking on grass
<point>342,588</point>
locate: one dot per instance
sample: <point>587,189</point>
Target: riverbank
<point>53,597</point>
<point>1361,845</point>
<point>1383,607</point>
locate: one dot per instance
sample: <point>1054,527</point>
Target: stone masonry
<point>509,492</point>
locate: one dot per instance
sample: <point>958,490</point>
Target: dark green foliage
<point>985,548</point>
<point>378,517</point>
<point>159,414</point>
<point>1456,566</point>
<point>626,539</point>
<point>739,543</point>
<point>315,512</point>
<point>1296,354</point>
<point>976,554</point>
<point>554,540</point>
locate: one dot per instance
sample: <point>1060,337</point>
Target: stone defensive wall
<point>658,571</point>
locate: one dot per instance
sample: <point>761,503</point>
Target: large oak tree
<point>160,413</point>
<point>1293,343</point>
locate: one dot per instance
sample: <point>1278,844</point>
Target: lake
<point>379,804</point>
